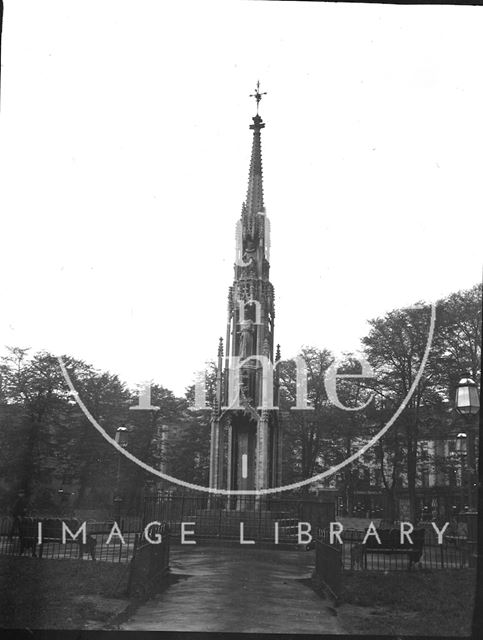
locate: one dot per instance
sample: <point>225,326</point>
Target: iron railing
<point>20,537</point>
<point>328,567</point>
<point>213,516</point>
<point>453,553</point>
<point>149,566</point>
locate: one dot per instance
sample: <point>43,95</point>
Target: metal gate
<point>149,568</point>
<point>328,567</point>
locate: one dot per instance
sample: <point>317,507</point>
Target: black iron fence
<point>21,536</point>
<point>328,567</point>
<point>453,553</point>
<point>149,566</point>
<point>263,518</point>
<point>145,551</point>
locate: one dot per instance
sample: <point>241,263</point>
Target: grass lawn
<point>58,594</point>
<point>436,603</point>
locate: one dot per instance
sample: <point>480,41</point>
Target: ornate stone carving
<point>246,339</point>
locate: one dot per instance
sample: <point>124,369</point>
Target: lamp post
<point>467,404</point>
<point>461,451</point>
<point>122,438</point>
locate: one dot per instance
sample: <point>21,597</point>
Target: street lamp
<point>461,450</point>
<point>122,436</point>
<point>122,439</point>
<point>467,404</point>
<point>461,443</point>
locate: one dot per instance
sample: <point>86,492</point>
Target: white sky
<point>124,160</point>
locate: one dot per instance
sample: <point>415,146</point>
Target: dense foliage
<point>49,449</point>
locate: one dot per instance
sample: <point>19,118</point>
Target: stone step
<point>247,514</point>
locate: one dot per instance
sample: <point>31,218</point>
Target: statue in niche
<point>246,339</point>
<point>250,252</point>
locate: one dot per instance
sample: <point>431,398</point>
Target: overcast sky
<point>124,160</point>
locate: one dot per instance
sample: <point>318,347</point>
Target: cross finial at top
<point>257,95</point>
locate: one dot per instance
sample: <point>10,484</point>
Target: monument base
<point>244,525</point>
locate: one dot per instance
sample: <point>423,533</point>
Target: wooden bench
<point>391,544</point>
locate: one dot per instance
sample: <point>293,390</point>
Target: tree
<point>189,446</point>
<point>316,440</point>
<point>33,383</point>
<point>395,347</point>
<point>303,430</point>
<point>155,437</point>
<point>93,461</point>
<point>47,436</point>
<point>458,333</point>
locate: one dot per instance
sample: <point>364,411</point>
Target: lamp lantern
<point>461,440</point>
<point>122,437</point>
<point>467,402</point>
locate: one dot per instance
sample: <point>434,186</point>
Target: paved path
<point>238,589</point>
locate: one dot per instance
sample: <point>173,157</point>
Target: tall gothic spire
<point>254,451</point>
<point>254,201</point>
